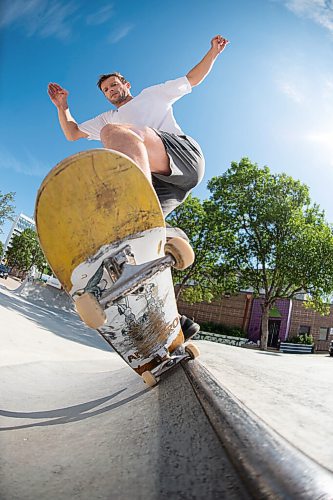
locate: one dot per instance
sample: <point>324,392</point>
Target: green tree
<point>6,208</point>
<point>25,252</point>
<point>206,278</point>
<point>277,242</point>
<point>1,248</point>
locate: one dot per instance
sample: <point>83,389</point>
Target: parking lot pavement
<point>291,392</point>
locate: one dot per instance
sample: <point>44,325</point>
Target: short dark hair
<point>106,76</point>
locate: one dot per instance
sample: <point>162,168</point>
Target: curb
<point>268,465</point>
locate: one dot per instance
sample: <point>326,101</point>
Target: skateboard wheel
<point>149,378</point>
<point>192,350</point>
<point>90,311</point>
<point>181,251</point>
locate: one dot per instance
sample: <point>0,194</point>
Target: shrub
<point>232,331</point>
<point>301,339</point>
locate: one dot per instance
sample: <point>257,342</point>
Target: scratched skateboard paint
<point>87,207</point>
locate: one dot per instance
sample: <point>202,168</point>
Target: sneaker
<point>189,327</point>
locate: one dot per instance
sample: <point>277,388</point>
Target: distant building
<point>21,223</point>
<point>288,318</point>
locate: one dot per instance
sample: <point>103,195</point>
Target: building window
<point>324,333</point>
<point>303,329</point>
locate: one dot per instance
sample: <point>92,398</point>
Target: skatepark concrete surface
<point>77,422</point>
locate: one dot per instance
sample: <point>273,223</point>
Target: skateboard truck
<point>190,351</point>
<point>128,277</point>
<point>131,276</point>
<point>115,263</point>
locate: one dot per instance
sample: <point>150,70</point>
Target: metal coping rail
<point>268,465</point>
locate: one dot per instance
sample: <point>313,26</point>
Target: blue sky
<point>268,97</point>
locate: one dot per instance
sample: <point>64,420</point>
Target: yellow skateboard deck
<point>94,211</point>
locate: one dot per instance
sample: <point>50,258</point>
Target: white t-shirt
<point>151,108</point>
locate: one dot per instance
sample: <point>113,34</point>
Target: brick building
<point>288,318</point>
<point>230,311</point>
<point>308,321</point>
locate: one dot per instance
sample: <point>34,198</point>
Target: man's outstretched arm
<point>70,128</point>
<point>201,70</point>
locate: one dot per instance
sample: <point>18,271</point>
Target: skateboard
<point>102,231</point>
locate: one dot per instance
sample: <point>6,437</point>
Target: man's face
<point>115,91</point>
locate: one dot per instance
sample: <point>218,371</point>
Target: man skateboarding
<point>143,127</point>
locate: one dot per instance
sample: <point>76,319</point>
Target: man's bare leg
<point>143,146</point>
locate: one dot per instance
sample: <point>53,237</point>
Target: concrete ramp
<point>49,295</point>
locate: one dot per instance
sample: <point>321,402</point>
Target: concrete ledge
<point>221,339</point>
<point>269,466</point>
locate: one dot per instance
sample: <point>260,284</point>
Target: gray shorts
<point>187,166</point>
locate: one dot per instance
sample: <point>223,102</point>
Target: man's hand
<point>201,70</point>
<point>70,128</point>
<point>219,43</point>
<point>58,95</point>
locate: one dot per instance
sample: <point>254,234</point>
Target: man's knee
<point>110,130</point>
<point>113,130</point>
